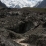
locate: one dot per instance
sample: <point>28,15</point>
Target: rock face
<point>18,23</point>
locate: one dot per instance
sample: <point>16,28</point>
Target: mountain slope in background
<point>20,3</point>
<point>42,4</point>
<point>3,5</point>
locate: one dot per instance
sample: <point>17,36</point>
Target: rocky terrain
<point>23,27</point>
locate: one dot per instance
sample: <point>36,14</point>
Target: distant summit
<point>20,3</point>
<point>23,3</point>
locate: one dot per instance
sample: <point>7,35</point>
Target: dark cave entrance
<point>22,28</point>
<point>44,25</point>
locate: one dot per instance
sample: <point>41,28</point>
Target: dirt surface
<point>22,27</point>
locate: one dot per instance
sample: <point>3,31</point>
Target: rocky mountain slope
<point>42,4</point>
<point>28,23</point>
<point>2,5</point>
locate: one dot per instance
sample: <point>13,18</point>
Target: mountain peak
<point>20,3</point>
